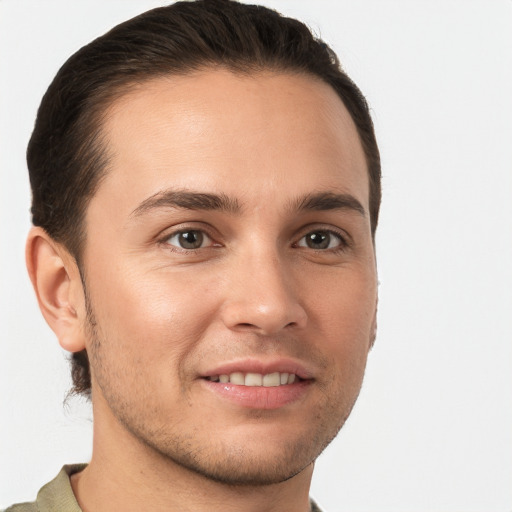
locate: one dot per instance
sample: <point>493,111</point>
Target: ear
<point>373,332</point>
<point>56,281</point>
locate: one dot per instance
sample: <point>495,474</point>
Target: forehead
<point>232,134</point>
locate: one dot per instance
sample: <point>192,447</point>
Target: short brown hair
<point>65,155</point>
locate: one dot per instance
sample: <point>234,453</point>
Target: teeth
<point>237,378</point>
<point>255,379</point>
<point>271,380</point>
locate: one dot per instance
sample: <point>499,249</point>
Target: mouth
<point>268,380</point>
<point>257,384</point>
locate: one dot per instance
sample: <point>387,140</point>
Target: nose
<point>262,296</point>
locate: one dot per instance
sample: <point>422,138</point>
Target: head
<point>172,55</point>
<point>66,154</point>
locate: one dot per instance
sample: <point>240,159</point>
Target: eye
<point>189,239</point>
<point>321,240</point>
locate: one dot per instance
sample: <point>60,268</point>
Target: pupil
<point>318,240</point>
<point>191,239</point>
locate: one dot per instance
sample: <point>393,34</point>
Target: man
<point>206,188</point>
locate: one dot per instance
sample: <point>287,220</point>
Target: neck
<point>125,474</point>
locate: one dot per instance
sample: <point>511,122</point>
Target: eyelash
<point>342,239</point>
<point>165,240</point>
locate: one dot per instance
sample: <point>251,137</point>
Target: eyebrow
<point>323,201</point>
<point>191,200</point>
<point>187,200</point>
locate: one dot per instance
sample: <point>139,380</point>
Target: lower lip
<point>259,397</point>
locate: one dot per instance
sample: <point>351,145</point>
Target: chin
<point>253,461</point>
<point>246,470</point>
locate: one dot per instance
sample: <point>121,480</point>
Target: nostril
<point>246,326</point>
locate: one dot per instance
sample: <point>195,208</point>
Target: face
<point>230,273</point>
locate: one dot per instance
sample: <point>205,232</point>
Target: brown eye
<point>191,239</point>
<point>320,240</point>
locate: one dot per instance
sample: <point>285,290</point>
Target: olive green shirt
<point>57,495</point>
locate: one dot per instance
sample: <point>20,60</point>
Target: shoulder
<point>22,507</point>
<point>313,506</point>
<point>56,495</point>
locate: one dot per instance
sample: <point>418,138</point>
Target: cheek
<point>151,315</point>
<point>344,303</point>
<point>343,315</point>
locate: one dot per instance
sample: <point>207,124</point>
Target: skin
<point>156,317</point>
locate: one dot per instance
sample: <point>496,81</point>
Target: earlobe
<point>56,281</point>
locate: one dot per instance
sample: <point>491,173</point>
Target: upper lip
<point>263,367</point>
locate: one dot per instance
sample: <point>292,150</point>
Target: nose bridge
<point>261,293</point>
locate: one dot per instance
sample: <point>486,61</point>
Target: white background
<point>432,431</point>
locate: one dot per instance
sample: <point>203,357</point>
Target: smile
<point>255,379</point>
